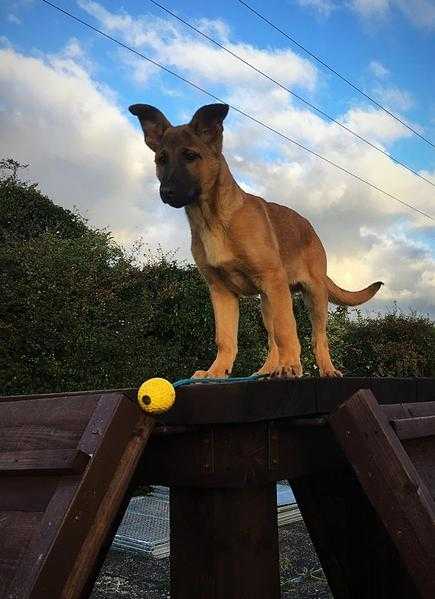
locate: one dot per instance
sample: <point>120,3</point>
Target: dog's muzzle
<point>177,199</point>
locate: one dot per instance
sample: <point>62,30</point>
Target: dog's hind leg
<point>278,305</point>
<point>316,299</point>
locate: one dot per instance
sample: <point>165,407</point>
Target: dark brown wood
<point>414,428</point>
<point>239,455</point>
<point>357,555</point>
<point>269,399</point>
<point>60,461</point>
<point>72,514</point>
<point>221,449</point>
<point>392,484</point>
<point>45,423</point>
<point>333,392</point>
<point>224,543</point>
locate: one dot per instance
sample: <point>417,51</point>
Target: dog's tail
<point>341,297</point>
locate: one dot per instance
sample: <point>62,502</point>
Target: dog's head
<point>187,157</point>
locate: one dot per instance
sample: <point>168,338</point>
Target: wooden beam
<point>414,428</point>
<point>43,461</point>
<point>224,543</point>
<point>392,483</point>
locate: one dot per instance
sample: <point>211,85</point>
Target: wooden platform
<point>65,467</point>
<point>362,470</point>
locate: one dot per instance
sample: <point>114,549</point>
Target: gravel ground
<point>133,576</point>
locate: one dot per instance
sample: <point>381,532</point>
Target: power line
<point>313,106</point>
<point>333,70</point>
<point>239,110</point>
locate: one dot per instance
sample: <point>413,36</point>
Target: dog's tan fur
<point>244,245</point>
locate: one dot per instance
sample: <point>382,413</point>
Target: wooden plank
<point>79,514</point>
<point>60,461</point>
<point>45,423</point>
<point>422,454</point>
<point>95,546</point>
<point>238,455</point>
<point>27,494</point>
<point>426,408</point>
<point>392,484</point>
<point>224,543</point>
<point>268,399</point>
<point>241,402</point>
<point>414,428</point>
<point>333,392</point>
<point>16,530</point>
<point>409,410</point>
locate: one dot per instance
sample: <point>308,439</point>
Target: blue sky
<point>380,44</point>
<point>345,39</point>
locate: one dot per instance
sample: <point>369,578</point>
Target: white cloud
<point>81,147</point>
<point>86,151</point>
<point>172,45</point>
<point>323,7</point>
<point>394,97</point>
<point>378,69</point>
<point>13,19</point>
<point>371,8</point>
<point>420,12</point>
<point>375,125</point>
<point>214,28</point>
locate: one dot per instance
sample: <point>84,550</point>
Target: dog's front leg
<point>278,305</point>
<point>226,315</point>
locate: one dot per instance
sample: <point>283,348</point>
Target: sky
<point>65,92</point>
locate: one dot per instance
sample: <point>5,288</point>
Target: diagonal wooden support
<point>392,483</point>
<point>65,468</point>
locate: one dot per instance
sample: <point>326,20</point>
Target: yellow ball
<point>156,396</point>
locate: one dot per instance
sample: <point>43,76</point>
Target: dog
<point>244,245</point>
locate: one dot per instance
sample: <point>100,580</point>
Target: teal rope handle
<point>231,379</point>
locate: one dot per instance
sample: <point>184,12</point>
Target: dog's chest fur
<point>217,249</point>
<point>221,258</point>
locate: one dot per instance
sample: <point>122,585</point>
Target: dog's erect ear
<point>207,123</point>
<point>153,123</point>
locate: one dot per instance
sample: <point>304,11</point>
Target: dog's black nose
<point>167,193</point>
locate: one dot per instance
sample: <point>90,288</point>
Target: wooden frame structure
<point>359,453</point>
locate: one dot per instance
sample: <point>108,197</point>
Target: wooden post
<point>224,543</point>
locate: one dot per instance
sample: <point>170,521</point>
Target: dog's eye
<point>161,159</point>
<point>191,156</point>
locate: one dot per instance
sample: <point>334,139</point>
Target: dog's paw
<point>331,373</point>
<point>288,371</point>
<point>213,373</point>
<point>199,374</point>
<point>266,370</point>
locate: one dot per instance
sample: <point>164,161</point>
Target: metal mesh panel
<point>145,526</point>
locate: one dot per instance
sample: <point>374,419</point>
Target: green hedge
<point>78,312</point>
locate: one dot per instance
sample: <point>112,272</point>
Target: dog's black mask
<point>179,188</point>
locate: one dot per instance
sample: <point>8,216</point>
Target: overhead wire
<point>236,109</point>
<point>333,70</point>
<point>293,93</point>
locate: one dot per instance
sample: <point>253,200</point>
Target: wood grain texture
<point>414,428</point>
<point>43,461</point>
<point>75,511</point>
<point>398,494</point>
<point>269,399</point>
<point>224,543</point>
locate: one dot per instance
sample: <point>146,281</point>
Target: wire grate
<point>145,526</point>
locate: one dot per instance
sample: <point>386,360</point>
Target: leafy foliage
<point>78,312</point>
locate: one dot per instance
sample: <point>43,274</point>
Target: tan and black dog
<point>244,245</point>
